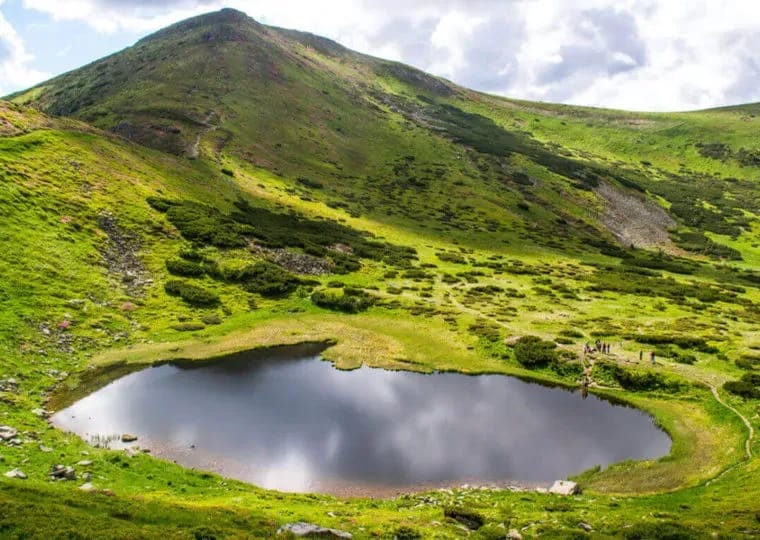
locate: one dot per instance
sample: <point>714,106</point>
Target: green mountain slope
<point>305,107</point>
<point>225,185</point>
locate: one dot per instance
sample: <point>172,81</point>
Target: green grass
<point>467,236</point>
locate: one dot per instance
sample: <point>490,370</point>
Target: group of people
<point>596,347</point>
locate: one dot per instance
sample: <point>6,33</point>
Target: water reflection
<point>287,420</point>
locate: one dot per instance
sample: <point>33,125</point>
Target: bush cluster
<point>747,387</point>
<point>533,352</point>
<point>309,183</point>
<point>318,236</point>
<point>451,257</point>
<point>348,300</point>
<point>666,530</point>
<point>660,261</point>
<point>183,267</point>
<point>639,381</point>
<point>267,279</point>
<point>684,342</point>
<point>747,362</point>
<point>486,330</point>
<point>698,242</point>
<point>200,223</point>
<point>192,294</point>
<point>644,282</point>
<point>203,224</point>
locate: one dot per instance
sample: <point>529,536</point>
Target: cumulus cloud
<point>604,42</point>
<point>16,70</point>
<point>638,54</point>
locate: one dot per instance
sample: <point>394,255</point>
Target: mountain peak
<point>226,17</point>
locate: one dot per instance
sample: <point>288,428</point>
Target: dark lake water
<point>284,419</point>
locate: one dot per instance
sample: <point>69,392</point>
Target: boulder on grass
<point>564,487</point>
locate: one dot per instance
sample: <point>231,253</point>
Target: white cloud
<point>110,16</point>
<point>638,54</point>
<point>15,62</point>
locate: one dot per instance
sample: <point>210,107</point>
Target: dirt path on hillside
<point>747,442</point>
<point>750,429</point>
<point>195,149</point>
<point>713,384</point>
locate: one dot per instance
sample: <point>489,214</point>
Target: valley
<point>225,186</point>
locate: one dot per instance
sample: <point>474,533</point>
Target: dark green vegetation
<point>192,294</point>
<point>747,387</point>
<point>532,351</point>
<point>286,189</point>
<point>348,300</point>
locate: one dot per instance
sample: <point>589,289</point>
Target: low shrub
<point>159,203</point>
<point>659,531</point>
<point>348,301</point>
<point>490,531</point>
<point>406,533</point>
<point>344,264</point>
<point>192,294</point>
<point>660,262</point>
<point>532,352</point>
<point>449,279</point>
<point>698,242</point>
<point>268,279</point>
<point>191,255</point>
<point>206,225</point>
<point>486,330</point>
<point>742,388</point>
<point>571,332</point>
<point>309,183</point>
<point>683,358</point>
<point>684,342</point>
<point>468,517</point>
<point>567,369</point>
<point>415,273</point>
<point>747,362</point>
<point>451,257</point>
<point>747,387</point>
<point>211,319</point>
<point>188,326</point>
<point>183,267</point>
<point>292,230</point>
<point>637,380</point>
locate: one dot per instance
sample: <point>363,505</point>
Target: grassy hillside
<point>223,185</point>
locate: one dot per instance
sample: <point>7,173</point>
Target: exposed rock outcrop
<point>121,255</point>
<point>634,219</point>
<point>302,529</point>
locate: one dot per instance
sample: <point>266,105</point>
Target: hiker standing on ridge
<point>652,356</point>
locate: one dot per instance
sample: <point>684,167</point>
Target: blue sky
<point>59,46</point>
<point>632,54</point>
